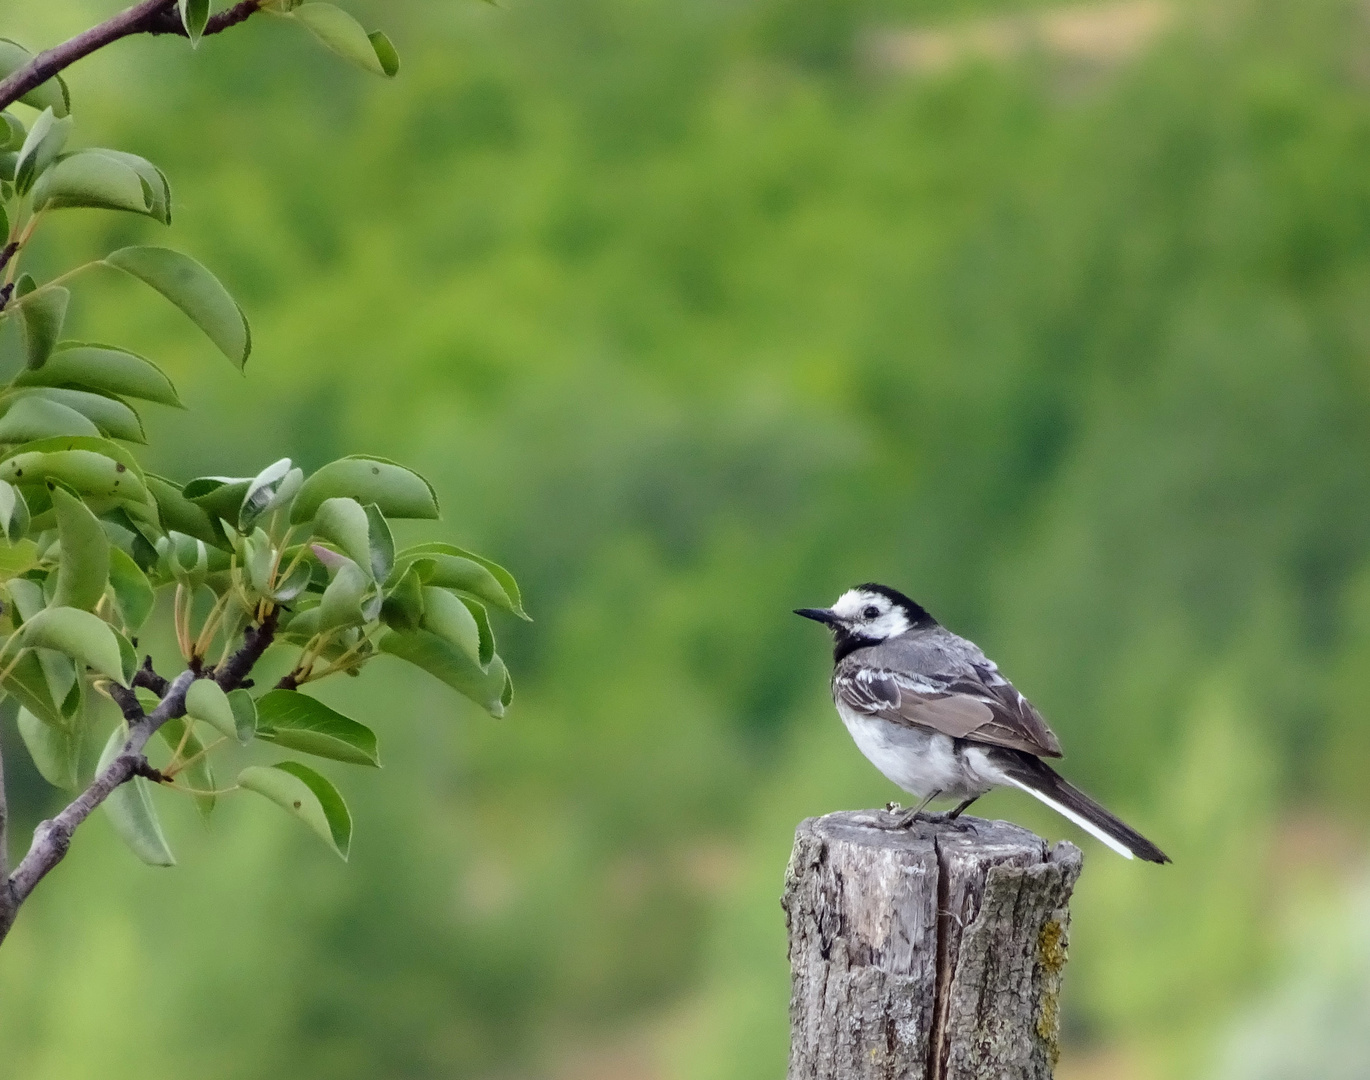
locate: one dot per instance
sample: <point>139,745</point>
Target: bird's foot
<point>905,819</point>
<point>947,817</point>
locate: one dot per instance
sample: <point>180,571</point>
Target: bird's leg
<point>951,816</point>
<point>908,817</point>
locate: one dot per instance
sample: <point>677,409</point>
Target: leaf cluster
<point>88,537</point>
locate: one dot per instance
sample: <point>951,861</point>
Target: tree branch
<point>8,904</point>
<point>149,679</point>
<point>4,830</point>
<point>255,642</point>
<point>148,17</point>
<point>52,838</point>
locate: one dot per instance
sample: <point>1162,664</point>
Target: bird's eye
<point>870,612</point>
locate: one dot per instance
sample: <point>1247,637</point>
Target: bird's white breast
<point>917,760</point>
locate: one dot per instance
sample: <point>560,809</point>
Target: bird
<point>933,713</point>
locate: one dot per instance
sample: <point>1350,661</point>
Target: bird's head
<point>868,615</point>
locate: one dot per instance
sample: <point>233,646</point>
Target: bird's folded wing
<point>981,706</point>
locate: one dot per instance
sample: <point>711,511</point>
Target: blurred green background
<point>1057,318</point>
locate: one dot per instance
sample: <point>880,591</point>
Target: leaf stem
<point>186,728</point>
<point>211,624</point>
<point>178,767</point>
<point>198,792</point>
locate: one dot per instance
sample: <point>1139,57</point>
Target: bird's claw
<point>905,819</point>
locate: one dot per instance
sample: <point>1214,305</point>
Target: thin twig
<point>148,679</point>
<point>231,674</point>
<point>52,838</point>
<point>148,17</point>
<point>4,830</point>
<point>127,701</point>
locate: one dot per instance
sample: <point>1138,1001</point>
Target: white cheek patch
<point>891,622</point>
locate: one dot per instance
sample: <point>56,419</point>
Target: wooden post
<point>930,953</point>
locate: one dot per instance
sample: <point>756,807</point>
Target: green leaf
<point>272,487</point>
<point>12,132</point>
<point>132,590</point>
<point>306,794</point>
<point>487,635</point>
<point>85,637</point>
<point>18,559</point>
<point>381,541</point>
<point>184,558</point>
<point>27,684</point>
<point>258,557</point>
<point>154,177</point>
<point>105,369</point>
<point>465,571</point>
<point>199,774</point>
<point>491,689</point>
<point>300,626</point>
<point>221,497</point>
<point>56,751</point>
<point>206,701</point>
<point>31,418</point>
<point>49,95</point>
<point>64,687</point>
<point>446,616</point>
<point>96,181</point>
<point>44,142</point>
<point>294,583</point>
<point>112,450</point>
<point>397,492</point>
<point>89,472</point>
<point>244,715</point>
<point>128,657</point>
<point>14,513</point>
<point>111,416</point>
<point>386,55</point>
<point>341,33</point>
<point>178,513</point>
<point>403,606</point>
<point>194,15</point>
<point>342,600</point>
<point>297,721</point>
<point>130,810</point>
<point>83,571</point>
<point>195,291</point>
<point>43,312</point>
<point>343,522</point>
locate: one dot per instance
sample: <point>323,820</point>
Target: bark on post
<point>933,953</point>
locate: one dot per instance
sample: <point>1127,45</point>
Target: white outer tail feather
<point>1065,811</point>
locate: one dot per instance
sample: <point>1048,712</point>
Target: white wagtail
<point>933,714</point>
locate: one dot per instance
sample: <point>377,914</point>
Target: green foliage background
<point>692,317</point>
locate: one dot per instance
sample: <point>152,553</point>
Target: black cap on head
<point>917,613</point>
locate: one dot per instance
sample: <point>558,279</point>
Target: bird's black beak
<point>817,614</point>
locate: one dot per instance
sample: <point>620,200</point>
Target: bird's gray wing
<point>979,705</point>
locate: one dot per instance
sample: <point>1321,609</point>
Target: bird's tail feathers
<point>1042,782</point>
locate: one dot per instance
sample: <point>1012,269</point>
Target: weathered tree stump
<point>930,953</point>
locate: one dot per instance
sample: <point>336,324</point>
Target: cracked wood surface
<point>932,953</point>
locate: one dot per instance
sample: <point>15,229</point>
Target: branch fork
<point>52,838</point>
